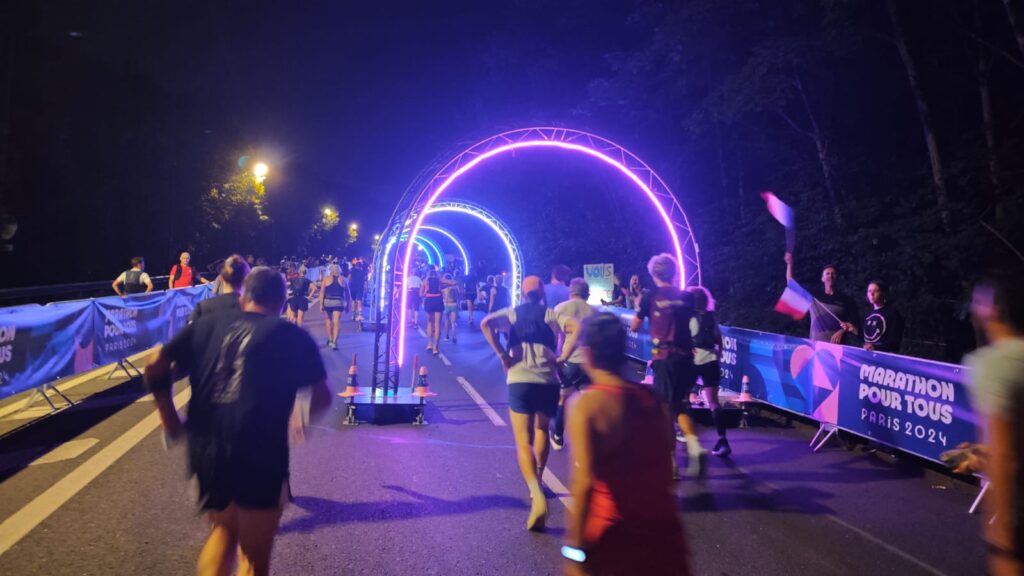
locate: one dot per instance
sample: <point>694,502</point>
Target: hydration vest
<point>705,338</point>
<point>530,327</point>
<point>133,282</point>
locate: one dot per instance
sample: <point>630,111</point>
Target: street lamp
<point>353,226</point>
<point>328,212</point>
<point>260,172</point>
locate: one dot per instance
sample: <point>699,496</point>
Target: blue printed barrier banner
<point>916,405</point>
<point>40,344</point>
<point>126,326</point>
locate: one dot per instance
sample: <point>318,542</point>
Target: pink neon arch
<point>515,146</point>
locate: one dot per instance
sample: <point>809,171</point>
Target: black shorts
<point>297,303</point>
<point>674,377</point>
<point>356,293</point>
<point>533,398</point>
<point>433,304</point>
<point>412,300</point>
<point>710,374</point>
<point>222,481</point>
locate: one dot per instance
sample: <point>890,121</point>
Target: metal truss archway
<point>425,191</point>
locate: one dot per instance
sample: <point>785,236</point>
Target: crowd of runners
<point>565,365</point>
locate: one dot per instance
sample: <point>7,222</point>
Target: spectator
<point>231,277</point>
<point>618,295</point>
<point>183,275</point>
<point>883,326</point>
<point>334,298</point>
<point>997,311</point>
<point>357,288</point>
<point>635,292</point>
<point>557,291</point>
<point>832,313</point>
<point>625,519</point>
<point>134,281</point>
<point>413,283</point>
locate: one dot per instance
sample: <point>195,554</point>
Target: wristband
<point>577,555</point>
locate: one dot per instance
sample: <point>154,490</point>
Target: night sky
<point>118,118</point>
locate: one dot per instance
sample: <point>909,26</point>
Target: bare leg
<point>521,425</point>
<point>335,325</point>
<point>541,447</point>
<point>256,539</point>
<point>217,557</point>
<point>298,317</point>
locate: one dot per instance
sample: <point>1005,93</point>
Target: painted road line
<point>558,488</point>
<point>444,359</point>
<point>490,412</point>
<point>19,524</point>
<point>66,385</point>
<point>420,330</point>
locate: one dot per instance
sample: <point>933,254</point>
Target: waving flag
<point>784,214</point>
<point>795,301</point>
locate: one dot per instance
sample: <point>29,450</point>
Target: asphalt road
<point>92,490</point>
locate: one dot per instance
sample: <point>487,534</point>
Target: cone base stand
<point>392,408</point>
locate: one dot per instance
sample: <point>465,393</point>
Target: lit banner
<point>40,344</point>
<point>916,405</point>
<point>601,279</point>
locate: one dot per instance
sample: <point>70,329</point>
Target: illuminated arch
<point>458,244</point>
<point>667,207</point>
<point>485,216</point>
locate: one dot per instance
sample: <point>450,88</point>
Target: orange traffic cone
<point>422,391</point>
<point>745,390</point>
<point>352,384</point>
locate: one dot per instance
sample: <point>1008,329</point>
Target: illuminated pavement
<point>448,499</point>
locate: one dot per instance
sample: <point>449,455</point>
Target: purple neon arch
<point>515,146</point>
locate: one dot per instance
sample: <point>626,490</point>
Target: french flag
<point>782,212</point>
<point>795,301</point>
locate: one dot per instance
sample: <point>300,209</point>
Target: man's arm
<point>571,327</point>
<point>149,283</point>
<point>117,285</point>
<point>320,398</point>
<point>158,379</point>
<point>1002,500</point>
<point>170,278</point>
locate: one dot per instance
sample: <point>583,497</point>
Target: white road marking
<point>549,477</point>
<point>40,411</point>
<point>420,330</point>
<point>444,359</point>
<point>19,524</point>
<point>558,488</point>
<point>66,451</point>
<point>64,387</point>
<point>490,412</point>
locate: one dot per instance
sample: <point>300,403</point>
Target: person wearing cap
<point>670,310</point>
<point>531,369</point>
<point>573,378</point>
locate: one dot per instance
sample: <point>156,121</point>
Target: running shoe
<point>680,437</point>
<point>722,448</point>
<point>446,339</point>
<point>697,464</point>
<point>334,345</point>
<point>557,442</point>
<point>538,513</point>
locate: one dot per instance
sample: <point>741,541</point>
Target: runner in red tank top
<point>626,520</point>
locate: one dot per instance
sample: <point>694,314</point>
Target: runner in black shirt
<point>244,369</point>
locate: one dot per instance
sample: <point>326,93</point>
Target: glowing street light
<point>328,212</point>
<point>260,171</point>
<point>353,226</point>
